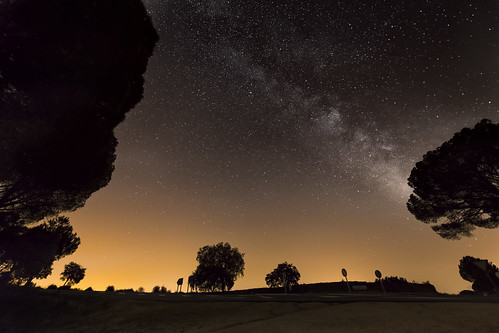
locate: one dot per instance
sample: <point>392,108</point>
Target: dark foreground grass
<point>35,310</point>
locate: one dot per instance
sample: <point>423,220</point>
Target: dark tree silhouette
<point>284,275</point>
<point>395,283</point>
<point>458,183</point>
<point>484,280</point>
<point>72,274</point>
<point>28,253</point>
<point>191,282</point>
<point>219,266</point>
<point>69,72</point>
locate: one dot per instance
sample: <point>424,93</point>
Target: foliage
<point>28,253</point>
<point>483,281</point>
<point>395,283</point>
<point>458,183</point>
<point>110,288</point>
<point>52,287</point>
<point>89,289</point>
<point>72,274</point>
<point>156,289</point>
<point>191,282</point>
<point>70,71</point>
<point>141,290</point>
<point>129,290</point>
<point>219,266</point>
<point>284,274</point>
<point>164,290</point>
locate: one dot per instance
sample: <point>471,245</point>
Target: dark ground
<point>36,310</point>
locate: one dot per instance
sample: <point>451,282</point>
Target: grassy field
<point>41,311</point>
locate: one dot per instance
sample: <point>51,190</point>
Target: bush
<point>129,290</point>
<point>156,289</point>
<point>141,290</point>
<point>64,287</point>
<point>396,284</point>
<point>52,286</point>
<point>89,289</point>
<point>110,288</point>
<point>164,290</point>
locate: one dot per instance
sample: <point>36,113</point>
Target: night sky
<point>289,129</point>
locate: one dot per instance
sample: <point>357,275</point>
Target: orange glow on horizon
<point>117,249</point>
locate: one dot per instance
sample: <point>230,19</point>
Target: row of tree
<point>220,265</point>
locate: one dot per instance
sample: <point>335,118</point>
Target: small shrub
<point>89,289</point>
<point>52,286</point>
<point>156,289</point>
<point>129,290</point>
<point>141,290</point>
<point>164,290</point>
<point>110,288</point>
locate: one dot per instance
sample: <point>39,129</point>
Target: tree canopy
<point>72,274</point>
<point>456,186</point>
<point>69,72</point>
<point>219,267</point>
<point>28,253</point>
<point>481,273</point>
<point>284,275</point>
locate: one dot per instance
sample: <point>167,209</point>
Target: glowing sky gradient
<point>288,129</point>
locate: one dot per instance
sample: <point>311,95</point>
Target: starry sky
<point>289,129</point>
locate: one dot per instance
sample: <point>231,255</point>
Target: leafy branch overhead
<point>69,72</point>
<point>456,186</point>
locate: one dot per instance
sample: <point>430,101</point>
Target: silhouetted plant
<point>70,72</point>
<point>72,274</point>
<point>52,286</point>
<point>483,281</point>
<point>140,290</point>
<point>219,266</point>
<point>284,275</point>
<point>191,282</point>
<point>28,253</point>
<point>89,289</point>
<point>395,284</point>
<point>458,183</point>
<point>164,290</point>
<point>156,289</point>
<point>129,290</point>
<point>110,288</point>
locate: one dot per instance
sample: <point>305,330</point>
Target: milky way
<point>337,95</point>
<point>289,129</point>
